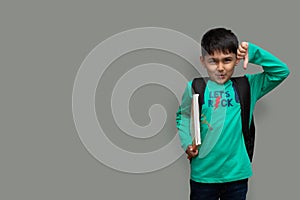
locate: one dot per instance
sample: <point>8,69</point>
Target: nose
<point>220,67</point>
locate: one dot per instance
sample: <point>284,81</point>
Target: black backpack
<point>242,89</point>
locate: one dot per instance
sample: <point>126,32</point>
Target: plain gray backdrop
<point>42,45</point>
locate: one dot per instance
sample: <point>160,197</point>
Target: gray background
<point>43,44</point>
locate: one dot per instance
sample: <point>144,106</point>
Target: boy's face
<point>219,66</point>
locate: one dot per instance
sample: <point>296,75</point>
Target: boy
<point>220,166</point>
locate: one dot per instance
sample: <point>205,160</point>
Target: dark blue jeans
<point>236,190</point>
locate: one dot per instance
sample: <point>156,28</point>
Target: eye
<point>211,61</point>
<point>227,60</point>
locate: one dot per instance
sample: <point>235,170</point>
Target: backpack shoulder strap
<point>198,86</point>
<point>242,88</point>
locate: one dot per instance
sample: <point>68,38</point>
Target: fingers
<point>244,46</point>
<point>242,50</point>
<point>192,154</point>
<point>242,53</point>
<point>192,151</point>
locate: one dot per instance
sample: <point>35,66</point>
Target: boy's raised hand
<point>242,53</point>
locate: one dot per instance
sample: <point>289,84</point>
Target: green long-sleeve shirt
<point>222,155</point>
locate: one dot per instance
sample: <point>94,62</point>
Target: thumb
<point>246,60</point>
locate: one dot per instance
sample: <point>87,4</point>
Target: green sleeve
<point>183,117</point>
<point>274,72</point>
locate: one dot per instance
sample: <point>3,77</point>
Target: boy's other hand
<point>242,53</point>
<point>191,151</point>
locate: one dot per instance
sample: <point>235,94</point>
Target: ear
<point>237,62</point>
<point>202,61</point>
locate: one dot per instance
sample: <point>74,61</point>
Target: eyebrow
<point>216,59</point>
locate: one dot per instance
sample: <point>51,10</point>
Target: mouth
<point>220,76</point>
